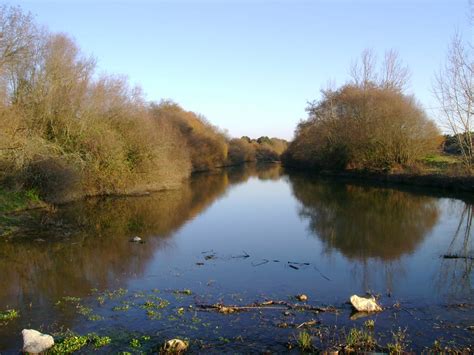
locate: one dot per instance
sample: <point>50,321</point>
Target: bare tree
<point>18,41</point>
<point>394,74</point>
<point>391,74</point>
<point>454,90</point>
<point>364,72</point>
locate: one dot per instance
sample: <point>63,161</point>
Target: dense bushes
<point>263,149</point>
<point>67,132</point>
<point>362,125</point>
<point>68,135</point>
<point>207,146</point>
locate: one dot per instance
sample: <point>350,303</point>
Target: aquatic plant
<point>304,341</point>
<point>399,341</point>
<point>369,324</point>
<point>360,340</point>
<point>8,315</point>
<point>71,342</point>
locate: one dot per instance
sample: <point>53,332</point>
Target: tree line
<point>67,131</point>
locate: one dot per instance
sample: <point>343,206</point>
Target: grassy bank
<point>439,171</point>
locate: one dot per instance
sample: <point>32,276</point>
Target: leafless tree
<point>392,73</point>
<point>364,72</point>
<point>454,90</point>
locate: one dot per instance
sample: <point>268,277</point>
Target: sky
<point>250,67</point>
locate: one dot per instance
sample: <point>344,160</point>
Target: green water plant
<point>304,341</point>
<point>70,342</point>
<point>399,341</point>
<point>360,340</point>
<point>8,315</point>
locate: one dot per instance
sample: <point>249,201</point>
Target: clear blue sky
<point>251,66</point>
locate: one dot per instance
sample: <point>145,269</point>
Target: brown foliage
<point>364,127</point>
<point>207,146</point>
<point>68,135</point>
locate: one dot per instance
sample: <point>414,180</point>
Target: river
<point>243,236</point>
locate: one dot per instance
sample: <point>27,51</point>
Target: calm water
<point>326,239</point>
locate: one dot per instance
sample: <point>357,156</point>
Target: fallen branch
<point>270,305</point>
<point>454,256</point>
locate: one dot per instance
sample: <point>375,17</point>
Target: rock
<point>175,346</point>
<point>136,239</point>
<point>302,297</point>
<point>362,304</point>
<point>35,342</point>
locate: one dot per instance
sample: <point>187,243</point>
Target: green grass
<point>441,161</point>
<point>11,201</point>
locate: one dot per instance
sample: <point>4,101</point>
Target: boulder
<point>175,346</point>
<point>363,304</point>
<point>35,342</point>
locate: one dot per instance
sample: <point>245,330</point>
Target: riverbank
<point>442,181</point>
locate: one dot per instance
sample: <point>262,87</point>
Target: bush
<point>67,135</point>
<point>240,151</point>
<point>362,127</point>
<point>207,146</point>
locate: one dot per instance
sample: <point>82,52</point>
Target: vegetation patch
<point>304,340</point>
<point>8,315</point>
<point>70,342</point>
<point>11,200</point>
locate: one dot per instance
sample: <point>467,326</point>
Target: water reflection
<point>85,245</point>
<point>365,222</point>
<point>457,262</point>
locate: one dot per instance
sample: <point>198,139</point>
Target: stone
<point>302,297</point>
<point>175,346</point>
<point>363,304</point>
<point>35,342</point>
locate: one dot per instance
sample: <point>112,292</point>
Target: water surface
<point>239,236</point>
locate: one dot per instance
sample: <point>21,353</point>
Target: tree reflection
<point>85,245</point>
<point>457,263</point>
<point>365,222</point>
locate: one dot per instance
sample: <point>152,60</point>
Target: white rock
<point>362,304</point>
<point>302,297</point>
<point>35,342</point>
<point>175,346</point>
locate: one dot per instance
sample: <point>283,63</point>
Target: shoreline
<point>440,182</point>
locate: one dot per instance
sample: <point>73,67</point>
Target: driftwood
<point>269,305</point>
<point>454,256</point>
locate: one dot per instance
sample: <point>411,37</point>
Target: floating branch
<point>270,305</point>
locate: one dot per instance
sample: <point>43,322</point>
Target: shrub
<point>364,128</point>
<point>240,151</point>
<point>207,146</point>
<point>67,135</point>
